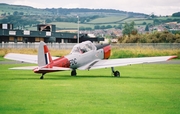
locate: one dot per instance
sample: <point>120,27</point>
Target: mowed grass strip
<point>144,88</point>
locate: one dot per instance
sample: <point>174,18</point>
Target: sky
<point>158,7</point>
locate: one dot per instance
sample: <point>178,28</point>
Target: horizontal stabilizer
<point>55,69</point>
<point>41,68</point>
<point>24,68</point>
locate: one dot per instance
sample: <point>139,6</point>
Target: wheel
<point>116,74</point>
<point>73,73</point>
<point>42,77</point>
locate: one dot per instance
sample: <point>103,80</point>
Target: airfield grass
<point>145,88</point>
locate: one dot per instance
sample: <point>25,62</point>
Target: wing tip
<point>172,57</point>
<point>7,55</point>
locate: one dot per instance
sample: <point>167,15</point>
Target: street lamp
<point>78,30</point>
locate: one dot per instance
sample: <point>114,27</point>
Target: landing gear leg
<point>42,77</point>
<point>73,72</point>
<point>116,73</point>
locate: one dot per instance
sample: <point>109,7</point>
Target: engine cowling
<point>107,51</point>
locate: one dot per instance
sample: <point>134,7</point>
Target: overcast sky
<point>158,7</point>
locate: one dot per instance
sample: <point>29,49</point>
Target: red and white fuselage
<point>82,55</point>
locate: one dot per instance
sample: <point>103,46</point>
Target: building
<point>45,32</point>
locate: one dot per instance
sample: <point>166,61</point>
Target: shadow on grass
<point>147,77</point>
<point>68,77</point>
<point>60,77</point>
<point>53,77</point>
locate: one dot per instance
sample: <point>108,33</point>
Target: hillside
<point>27,10</point>
<point>26,17</point>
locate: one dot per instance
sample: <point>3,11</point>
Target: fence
<point>70,45</point>
<point>36,45</point>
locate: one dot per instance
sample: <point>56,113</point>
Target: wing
<point>41,68</point>
<point>23,57</point>
<point>24,68</point>
<point>122,62</point>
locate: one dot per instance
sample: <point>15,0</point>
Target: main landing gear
<point>116,73</point>
<point>42,77</point>
<point>73,72</point>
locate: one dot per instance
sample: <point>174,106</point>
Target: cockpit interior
<point>83,47</point>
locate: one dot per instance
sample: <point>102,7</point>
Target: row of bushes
<point>155,37</point>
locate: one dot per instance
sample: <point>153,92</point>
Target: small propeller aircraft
<point>83,56</point>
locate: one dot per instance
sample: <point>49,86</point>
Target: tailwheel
<point>42,77</point>
<point>73,72</point>
<point>116,73</point>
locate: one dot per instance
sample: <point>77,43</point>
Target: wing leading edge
<point>23,57</point>
<point>123,62</point>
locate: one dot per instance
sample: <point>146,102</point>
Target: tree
<point>15,13</point>
<point>144,23</point>
<point>21,13</point>
<point>152,15</point>
<point>119,26</point>
<point>156,21</point>
<point>108,26</point>
<point>97,27</point>
<point>48,21</point>
<point>102,27</point>
<point>88,28</point>
<point>176,14</point>
<point>128,28</point>
<point>147,28</point>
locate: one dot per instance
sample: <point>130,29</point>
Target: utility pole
<point>78,30</point>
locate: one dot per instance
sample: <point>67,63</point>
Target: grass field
<point>145,88</point>
<point>109,19</point>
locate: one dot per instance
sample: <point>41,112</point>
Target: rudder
<point>44,56</point>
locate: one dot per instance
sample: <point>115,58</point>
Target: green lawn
<point>142,89</point>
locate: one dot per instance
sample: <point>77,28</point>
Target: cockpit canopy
<point>83,47</point>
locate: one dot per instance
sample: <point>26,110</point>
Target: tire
<point>116,74</point>
<point>73,73</point>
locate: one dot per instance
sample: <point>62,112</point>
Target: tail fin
<point>44,56</point>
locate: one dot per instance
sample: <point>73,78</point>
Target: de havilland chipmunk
<point>83,56</point>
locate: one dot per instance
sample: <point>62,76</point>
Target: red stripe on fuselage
<point>107,51</point>
<point>61,62</point>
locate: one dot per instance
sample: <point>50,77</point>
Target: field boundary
<point>70,45</point>
<point>148,45</point>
